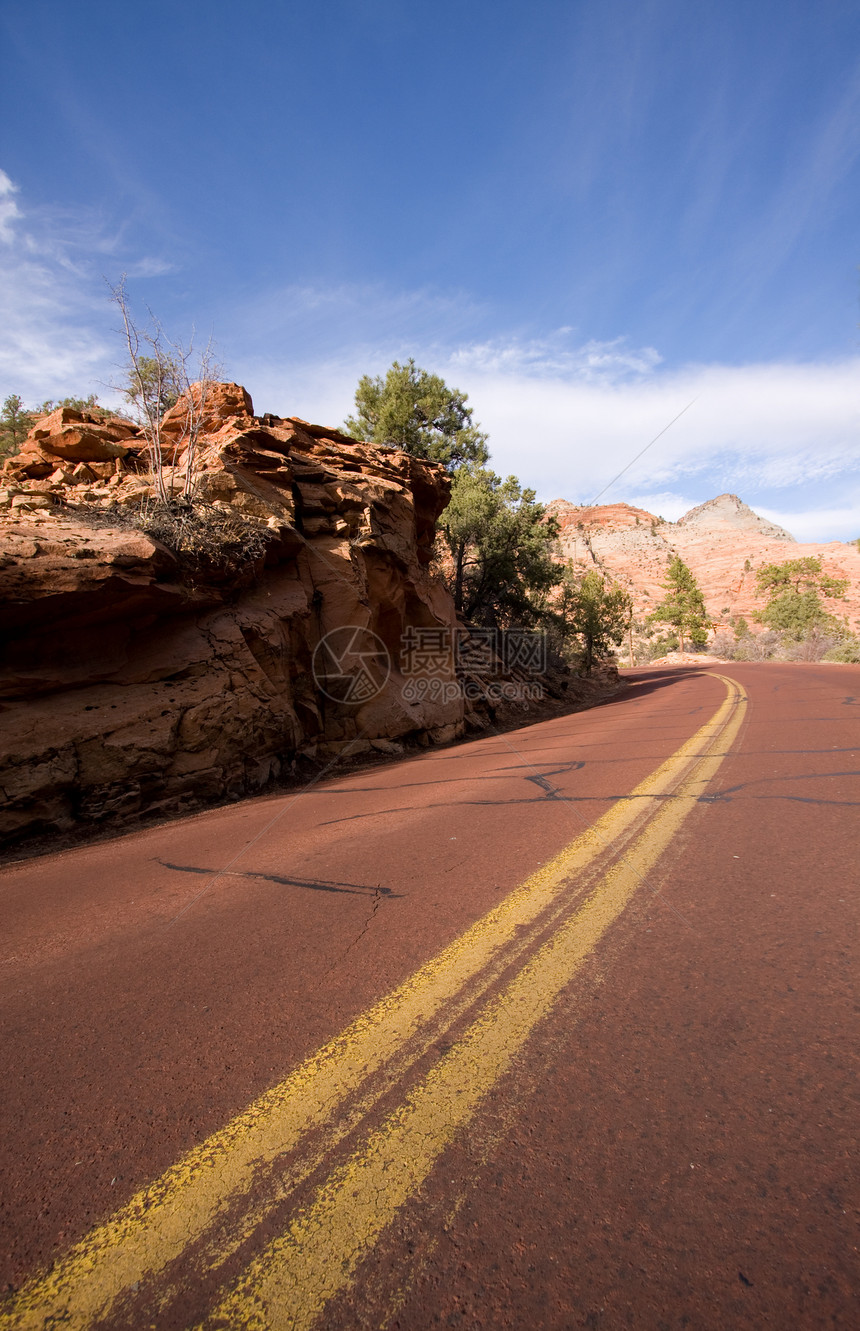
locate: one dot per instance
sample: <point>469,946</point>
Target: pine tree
<point>595,611</point>
<point>15,424</point>
<point>794,590</point>
<point>418,412</point>
<point>500,542</point>
<point>683,606</point>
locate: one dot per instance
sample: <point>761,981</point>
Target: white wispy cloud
<point>554,357</point>
<point>51,342</point>
<point>750,428</point>
<point>56,322</point>
<point>840,522</point>
<point>9,210</point>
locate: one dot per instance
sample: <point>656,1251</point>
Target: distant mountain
<point>727,511</point>
<point>723,541</point>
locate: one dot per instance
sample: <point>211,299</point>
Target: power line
<point>640,454</point>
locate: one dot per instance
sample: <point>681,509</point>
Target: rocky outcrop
<point>131,682</point>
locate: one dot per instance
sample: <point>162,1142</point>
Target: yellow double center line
<point>288,1284</point>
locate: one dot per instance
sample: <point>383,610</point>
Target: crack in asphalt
<point>310,884</point>
<point>542,780</point>
<point>726,794</point>
<point>539,779</point>
<point>377,900</point>
<point>379,893</point>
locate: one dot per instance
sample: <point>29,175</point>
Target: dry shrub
<point>723,645</point>
<point>206,539</point>
<point>757,646</point>
<point>210,543</point>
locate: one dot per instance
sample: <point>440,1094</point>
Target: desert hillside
<point>722,541</point>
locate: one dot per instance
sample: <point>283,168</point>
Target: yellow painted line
<point>174,1211</point>
<point>288,1285</point>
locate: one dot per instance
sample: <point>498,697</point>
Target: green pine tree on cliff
<point>418,412</point>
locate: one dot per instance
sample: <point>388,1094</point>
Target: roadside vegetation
<point>593,614</point>
<point>683,607</point>
<point>497,542</point>
<point>798,619</point>
<point>211,544</point>
<point>163,376</point>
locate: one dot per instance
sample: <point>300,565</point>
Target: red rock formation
<point>723,541</point>
<point>67,436</point>
<point>128,685</point>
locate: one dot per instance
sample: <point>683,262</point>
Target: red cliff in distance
<point>723,542</point>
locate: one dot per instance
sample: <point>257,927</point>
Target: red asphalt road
<point>677,1147</point>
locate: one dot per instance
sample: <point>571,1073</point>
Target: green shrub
<point>661,646</point>
<point>847,652</point>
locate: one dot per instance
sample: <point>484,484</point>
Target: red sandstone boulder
<point>77,436</point>
<point>220,403</point>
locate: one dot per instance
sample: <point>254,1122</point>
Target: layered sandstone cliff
<point>723,542</point>
<point>132,681</point>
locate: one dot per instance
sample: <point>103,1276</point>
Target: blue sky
<point>585,215</point>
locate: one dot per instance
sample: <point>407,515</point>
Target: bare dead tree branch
<point>160,374</point>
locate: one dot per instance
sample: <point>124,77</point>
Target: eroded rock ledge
<point>127,686</point>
